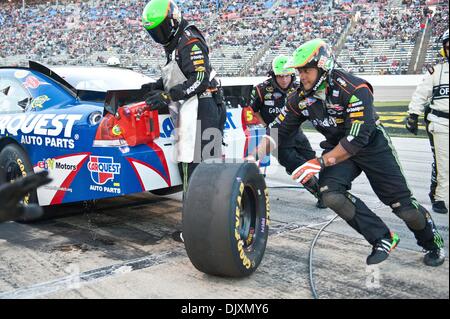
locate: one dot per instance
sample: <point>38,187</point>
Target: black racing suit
<point>269,99</point>
<point>192,56</point>
<point>344,113</point>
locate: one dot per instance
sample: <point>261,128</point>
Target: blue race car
<point>55,122</point>
<point>87,128</point>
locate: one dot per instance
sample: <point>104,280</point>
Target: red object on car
<point>134,125</point>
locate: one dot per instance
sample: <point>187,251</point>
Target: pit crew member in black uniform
<point>268,99</point>
<point>187,86</point>
<point>340,106</point>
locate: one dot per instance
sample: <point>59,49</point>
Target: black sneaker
<point>178,236</point>
<point>440,208</point>
<point>435,258</point>
<point>320,204</point>
<point>382,249</point>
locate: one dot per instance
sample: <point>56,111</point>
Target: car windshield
<point>103,79</point>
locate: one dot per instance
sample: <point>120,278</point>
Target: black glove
<point>12,193</point>
<point>412,123</point>
<point>159,101</point>
<point>177,93</point>
<point>148,87</point>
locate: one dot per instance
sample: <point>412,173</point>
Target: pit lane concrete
<point>123,249</point>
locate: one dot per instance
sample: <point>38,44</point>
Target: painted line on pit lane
<point>75,281</point>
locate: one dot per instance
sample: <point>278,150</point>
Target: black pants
<point>207,146</point>
<point>380,164</point>
<point>294,153</point>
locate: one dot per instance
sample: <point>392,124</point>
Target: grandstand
<point>369,37</point>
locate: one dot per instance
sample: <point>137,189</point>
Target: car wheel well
<point>7,141</point>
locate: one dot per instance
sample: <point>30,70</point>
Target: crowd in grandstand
<point>87,32</point>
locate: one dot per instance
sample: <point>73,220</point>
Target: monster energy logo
<point>356,127</point>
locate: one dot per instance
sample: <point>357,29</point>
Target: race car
<point>89,128</point>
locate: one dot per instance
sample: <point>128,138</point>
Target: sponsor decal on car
<point>167,128</point>
<point>52,164</point>
<point>230,124</point>
<point>41,129</point>
<point>39,102</point>
<point>31,82</point>
<point>20,74</point>
<point>37,124</point>
<point>103,169</point>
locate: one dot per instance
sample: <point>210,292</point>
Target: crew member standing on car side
<point>187,88</point>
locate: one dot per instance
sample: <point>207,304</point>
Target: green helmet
<point>314,54</point>
<point>161,18</point>
<point>279,66</point>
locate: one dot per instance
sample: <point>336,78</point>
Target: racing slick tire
<point>15,164</point>
<point>226,219</point>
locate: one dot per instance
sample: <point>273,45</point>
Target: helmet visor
<point>163,33</point>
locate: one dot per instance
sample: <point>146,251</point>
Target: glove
<point>159,101</point>
<point>412,123</point>
<point>305,172</point>
<point>148,87</point>
<point>12,193</point>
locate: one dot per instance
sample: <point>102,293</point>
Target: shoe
<point>178,236</point>
<point>382,249</point>
<point>320,204</point>
<point>435,258</point>
<point>439,207</point>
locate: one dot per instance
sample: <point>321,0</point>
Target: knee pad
<point>415,218</point>
<point>340,204</point>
